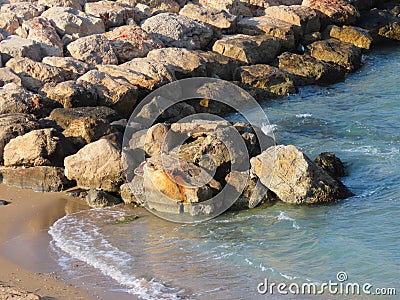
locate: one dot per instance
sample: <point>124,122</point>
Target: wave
<point>284,217</point>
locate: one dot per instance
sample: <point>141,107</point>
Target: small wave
<point>269,129</point>
<point>304,116</point>
<point>284,217</point>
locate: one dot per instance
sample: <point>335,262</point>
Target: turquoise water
<point>227,257</point>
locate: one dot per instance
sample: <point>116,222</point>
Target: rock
<point>234,7</point>
<point>23,10</point>
<point>303,17</point>
<point>8,76</point>
<point>331,164</point>
<point>178,31</point>
<point>141,12</point>
<point>42,147</point>
<point>75,4</point>
<point>159,6</point>
<point>154,139</point>
<point>73,67</point>
<point>382,25</point>
<point>9,22</point>
<point>15,46</point>
<point>294,178</point>
<point>72,22</point>
<point>40,30</point>
<point>71,94</point>
<point>94,50</point>
<point>307,70</point>
<point>217,18</point>
<point>87,130</point>
<point>97,165</point>
<point>15,99</point>
<point>113,92</point>
<point>13,125</point>
<point>357,36</point>
<point>35,74</point>
<point>218,65</point>
<point>339,12</point>
<point>310,38</point>
<point>64,116</point>
<point>99,199</point>
<point>39,179</point>
<point>112,13</point>
<point>133,192</point>
<point>269,26</point>
<point>130,42</point>
<point>343,54</point>
<point>269,80</point>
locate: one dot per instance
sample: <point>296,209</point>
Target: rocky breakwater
<point>71,74</point>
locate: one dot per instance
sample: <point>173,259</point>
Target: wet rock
<point>8,76</point>
<point>23,10</point>
<point>178,31</point>
<point>112,13</point>
<point>249,49</point>
<point>42,147</point>
<point>382,25</point>
<point>15,99</point>
<point>94,50</point>
<point>331,164</point>
<point>15,46</point>
<point>343,54</point>
<point>75,4</point>
<point>97,165</point>
<point>9,22</point>
<point>39,179</point>
<point>357,36</point>
<point>294,178</point>
<point>98,199</point>
<point>73,67</point>
<point>307,70</point>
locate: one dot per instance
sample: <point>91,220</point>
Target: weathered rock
<point>42,147</point>
<point>112,13</point>
<point>8,76</point>
<point>87,130</point>
<point>269,80</point>
<point>158,6</point>
<point>310,38</point>
<point>331,164</point>
<point>307,70</point>
<point>339,12</point>
<point>13,125</point>
<point>75,4</point>
<point>334,51</point>
<point>132,192</point>
<point>382,25</point>
<point>15,46</point>
<point>217,18</point>
<point>23,10</point>
<point>74,68</point>
<point>294,178</point>
<point>154,139</point>
<point>98,199</point>
<point>94,49</point>
<point>249,49</point>
<point>357,36</point>
<point>9,22</point>
<point>97,165</point>
<point>130,42</point>
<point>39,179</point>
<point>218,65</point>
<point>304,17</point>
<point>69,21</point>
<point>234,7</point>
<point>113,92</point>
<point>178,31</point>
<point>15,99</point>
<point>270,26</point>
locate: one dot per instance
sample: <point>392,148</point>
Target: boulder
<point>86,130</point>
<point>8,76</point>
<point>42,147</point>
<point>249,49</point>
<point>307,70</point>
<point>269,80</point>
<point>343,54</point>
<point>15,99</point>
<point>382,25</point>
<point>130,42</point>
<point>98,199</point>
<point>357,36</point>
<point>23,10</point>
<point>112,13</point>
<point>74,68</point>
<point>75,4</point>
<point>9,22</point>
<point>40,178</point>
<point>338,12</point>
<point>113,92</point>
<point>94,49</point>
<point>331,164</point>
<point>234,7</point>
<point>217,18</point>
<point>13,125</point>
<point>132,192</point>
<point>15,46</point>
<point>294,178</point>
<point>158,6</point>
<point>178,31</point>
<point>218,65</point>
<point>97,165</point>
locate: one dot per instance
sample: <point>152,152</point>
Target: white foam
<point>269,129</point>
<point>304,116</point>
<point>284,217</point>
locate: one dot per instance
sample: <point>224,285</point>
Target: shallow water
<point>226,258</point>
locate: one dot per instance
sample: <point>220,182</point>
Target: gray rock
<point>15,99</point>
<point>99,199</point>
<point>133,192</point>
<point>75,4</point>
<point>8,76</point>
<point>113,13</point>
<point>73,67</point>
<point>158,6</point>
<point>4,202</point>
<point>23,10</point>
<point>382,25</point>
<point>15,46</point>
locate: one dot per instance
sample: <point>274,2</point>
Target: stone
<point>338,12</point>
<point>130,42</point>
<point>343,54</point>
<point>98,199</point>
<point>23,10</point>
<point>75,4</point>
<point>133,192</point>
<point>69,21</point>
<point>13,125</point>
<point>15,46</point>
<point>42,147</point>
<point>8,76</point>
<point>87,130</point>
<point>382,25</point>
<point>74,68</point>
<point>217,18</point>
<point>40,178</point>
<point>112,13</point>
<point>249,49</point>
<point>154,139</point>
<point>271,81</point>
<point>331,164</point>
<point>294,178</point>
<point>308,70</point>
<point>234,7</point>
<point>357,36</point>
<point>158,6</point>
<point>94,49</point>
<point>9,22</point>
<point>141,12</point>
<point>178,31</point>
<point>218,65</point>
<point>269,26</point>
<point>97,165</point>
<point>15,99</point>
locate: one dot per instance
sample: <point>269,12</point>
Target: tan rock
<point>9,22</point>
<point>74,68</point>
<point>15,99</point>
<point>75,4</point>
<point>23,10</point>
<point>158,6</point>
<point>15,46</point>
<point>87,129</point>
<point>8,76</point>
<point>357,36</point>
<point>112,13</point>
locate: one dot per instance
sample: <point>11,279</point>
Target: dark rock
<point>99,199</point>
<point>331,164</point>
<point>382,25</point>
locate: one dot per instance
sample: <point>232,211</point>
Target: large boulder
<point>86,130</point>
<point>73,67</point>
<point>8,76</point>
<point>97,165</point>
<point>234,7</point>
<point>112,13</point>
<point>294,178</point>
<point>178,31</point>
<point>9,22</point>
<point>249,49</point>
<point>23,10</point>
<point>382,25</point>
<point>75,4</point>
<point>357,36</point>
<point>15,99</point>
<point>42,147</point>
<point>15,46</point>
